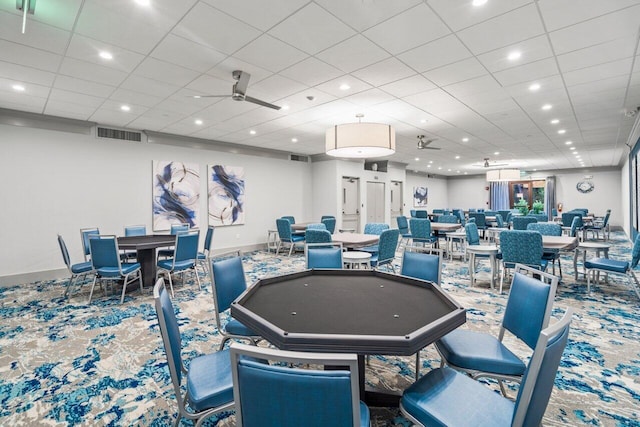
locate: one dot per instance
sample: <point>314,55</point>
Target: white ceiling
<point>435,67</point>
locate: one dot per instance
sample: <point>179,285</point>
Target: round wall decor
<point>585,186</point>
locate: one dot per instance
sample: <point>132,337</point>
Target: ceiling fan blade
<point>209,96</point>
<point>243,82</point>
<point>430,148</point>
<point>260,102</point>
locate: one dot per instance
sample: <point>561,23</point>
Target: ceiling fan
<point>488,164</point>
<point>239,91</point>
<point>423,144</point>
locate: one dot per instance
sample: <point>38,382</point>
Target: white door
<point>350,204</point>
<point>375,202</point>
<point>396,200</point>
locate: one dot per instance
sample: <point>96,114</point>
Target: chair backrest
<point>330,224</point>
<point>546,228</point>
<point>291,219</point>
<point>460,214</point>
<point>438,211</point>
<point>323,256</point>
<point>276,395</point>
<point>135,230</point>
<point>375,228</point>
<point>605,221</point>
<point>576,224</point>
<point>208,238</point>
<point>541,217</point>
<point>65,252</point>
<point>450,219</point>
<point>539,377</point>
<point>85,234</point>
<point>521,222</point>
<point>635,253</point>
<point>554,212</point>
<point>529,305</point>
<point>227,281</point>
<point>316,226</point>
<point>506,215</point>
<point>480,218</point>
<point>412,213</point>
<point>471,230</point>
<point>317,236</point>
<point>327,217</point>
<point>186,247</point>
<point>387,245</point>
<point>420,228</point>
<point>183,227</point>
<point>422,266</point>
<point>403,224</point>
<point>499,220</point>
<point>170,335</point>
<point>567,218</point>
<point>284,229</point>
<point>521,246</point>
<point>490,213</point>
<point>422,213</point>
<point>104,252</point>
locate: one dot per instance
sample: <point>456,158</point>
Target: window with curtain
<point>499,199</point>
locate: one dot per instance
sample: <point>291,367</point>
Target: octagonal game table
<point>349,311</point>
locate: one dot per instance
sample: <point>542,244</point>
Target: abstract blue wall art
<point>420,196</point>
<point>226,195</point>
<point>176,194</point>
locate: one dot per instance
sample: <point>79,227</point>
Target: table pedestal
<point>473,251</point>
<point>356,258</point>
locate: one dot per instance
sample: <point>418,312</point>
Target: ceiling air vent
<point>119,134</point>
<point>298,158</point>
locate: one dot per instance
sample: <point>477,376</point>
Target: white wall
<point>469,192</point>
<point>57,182</point>
<point>326,191</point>
<point>437,192</point>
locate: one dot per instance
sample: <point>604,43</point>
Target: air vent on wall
<point>298,158</point>
<point>118,134</point>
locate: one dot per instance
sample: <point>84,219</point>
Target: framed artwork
<point>420,196</point>
<point>225,201</point>
<point>176,194</point>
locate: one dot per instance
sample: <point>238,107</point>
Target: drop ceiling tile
<point>37,35</point>
<point>312,29</point>
<point>225,69</point>
<point>19,73</point>
<point>92,72</point>
<point>559,14</point>
<point>270,53</point>
<point>30,90</point>
<point>148,86</point>
<point>29,57</point>
<point>459,14</point>
<point>598,54</point>
<point>410,86</point>
<point>311,72</point>
<point>275,87</point>
<point>31,104</point>
<point>165,72</point>
<point>258,13</point>
<point>369,97</point>
<point>215,29</point>
<point>383,72</point>
<point>435,102</point>
<point>436,54</point>
<point>67,109</point>
<point>476,85</point>
<point>90,102</point>
<point>457,72</point>
<point>362,15</point>
<point>88,50</point>
<point>527,73</point>
<point>186,53</point>
<point>504,30</point>
<point>332,87</point>
<point>532,50</point>
<point>208,85</point>
<point>106,116</point>
<point>131,97</point>
<point>353,54</point>
<point>598,72</point>
<point>74,84</point>
<point>407,30</point>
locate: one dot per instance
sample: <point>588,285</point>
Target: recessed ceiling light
<point>428,166</point>
<point>430,161</point>
<point>252,132</point>
<point>198,122</point>
<point>547,107</point>
<point>439,167</point>
<point>535,170</point>
<point>125,108</point>
<point>197,96</point>
<point>465,173</point>
<point>423,121</point>
<point>285,107</point>
<point>457,157</point>
<point>105,55</point>
<point>572,148</point>
<point>534,87</point>
<point>516,54</point>
<point>294,139</point>
<point>465,139</point>
<point>18,88</point>
<point>555,121</point>
<point>562,131</point>
<point>478,2</point>
<point>458,171</point>
<point>568,143</point>
<point>497,153</point>
<point>417,159</point>
<point>345,86</point>
<point>143,2</point>
<point>575,153</point>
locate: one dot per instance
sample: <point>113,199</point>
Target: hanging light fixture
<point>25,6</point>
<point>360,140</point>
<point>503,175</point>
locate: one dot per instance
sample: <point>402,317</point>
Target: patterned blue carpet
<point>64,362</point>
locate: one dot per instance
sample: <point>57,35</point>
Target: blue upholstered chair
<point>85,234</point>
<point>202,256</point>
<point>285,235</point>
<point>422,213</point>
<point>506,216</point>
<point>445,397</point>
<point>291,219</point>
<point>185,258</point>
<point>598,224</point>
<point>521,222</point>
<point>181,227</point>
<point>81,269</point>
<point>323,217</point>
<point>527,312</point>
<point>549,229</point>
<point>317,236</point>
<point>105,259</point>
<point>329,223</point>
<point>448,219</point>
<point>541,217</point>
<point>386,249</point>
<point>567,218</point>
<point>316,226</point>
<point>374,228</point>
<point>135,230</point>
<point>480,220</point>
<point>613,266</point>
<point>412,213</point>
<point>521,247</point>
<point>403,228</point>
<point>278,395</point>
<point>208,381</point>
<point>319,255</point>
<point>421,231</point>
<point>227,283</point>
<point>438,211</point>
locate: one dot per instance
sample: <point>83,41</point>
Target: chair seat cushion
<point>541,267</point>
<point>297,237</point>
<point>445,397</point>
<point>478,351</point>
<point>607,264</point>
<point>81,267</point>
<point>202,255</point>
<point>233,327</point>
<point>371,249</point>
<point>209,382</point>
<point>365,416</point>
<point>167,264</point>
<point>127,268</point>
